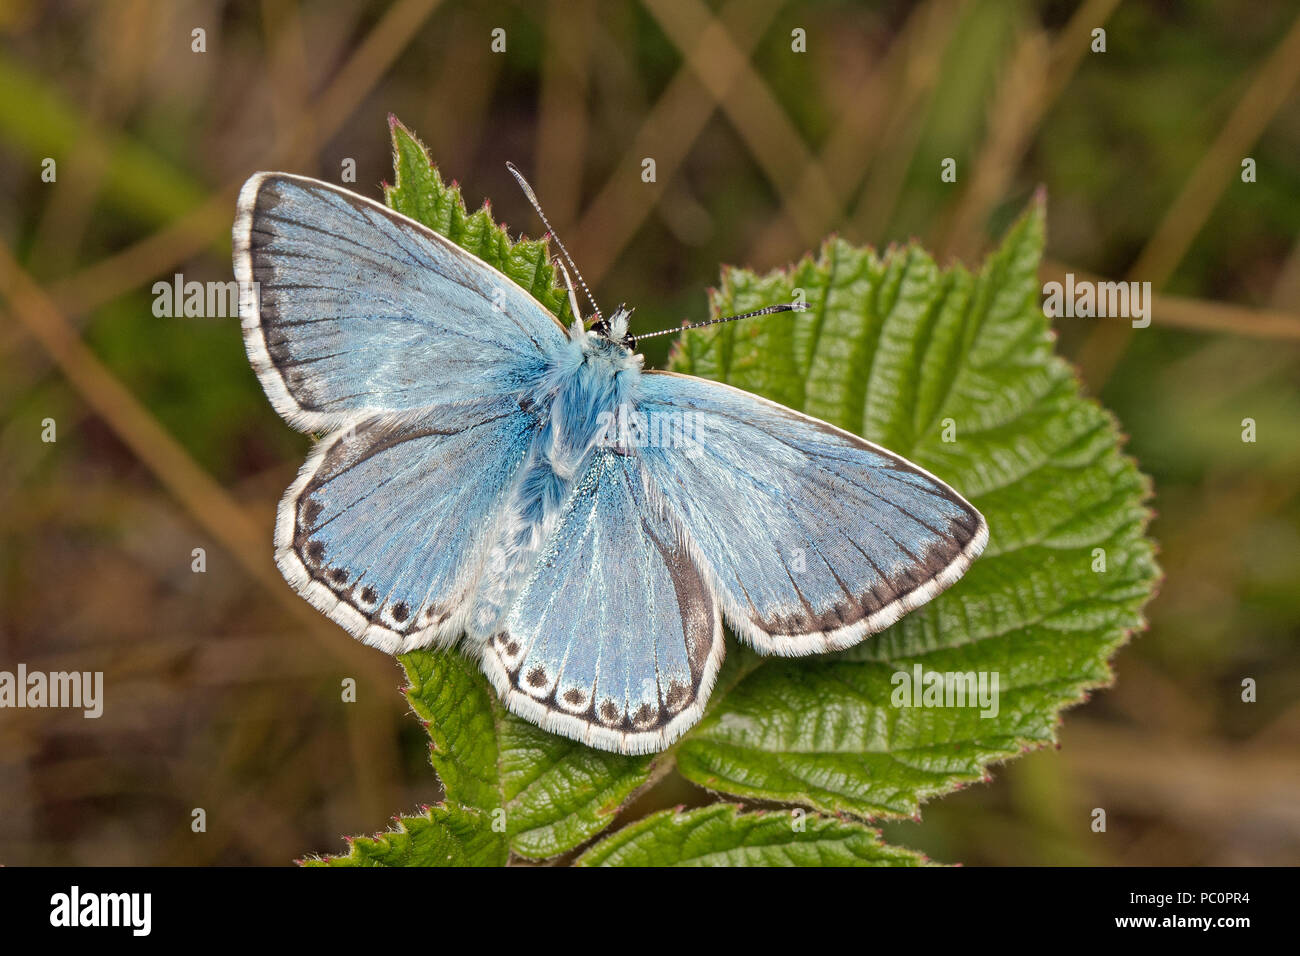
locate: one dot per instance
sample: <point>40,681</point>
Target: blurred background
<point>223,688</point>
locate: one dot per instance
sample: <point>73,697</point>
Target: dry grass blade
<point>205,500</point>
<point>371,737</point>
<point>1030,87</point>
<point>1271,87</point>
<point>906,123</point>
<point>872,107</point>
<point>187,236</point>
<point>667,134</point>
<point>748,102</point>
<point>562,115</point>
<point>1183,313</point>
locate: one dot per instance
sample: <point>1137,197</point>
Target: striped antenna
<point>532,198</point>
<point>788,307</point>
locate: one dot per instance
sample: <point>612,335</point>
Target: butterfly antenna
<point>532,198</point>
<point>573,298</point>
<point>787,307</point>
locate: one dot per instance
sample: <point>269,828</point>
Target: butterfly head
<point>614,329</point>
<point>607,344</point>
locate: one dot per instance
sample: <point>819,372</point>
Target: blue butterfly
<point>584,524</point>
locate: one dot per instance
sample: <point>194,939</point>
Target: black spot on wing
<point>311,510</point>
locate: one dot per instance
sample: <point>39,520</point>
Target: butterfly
<point>579,523</point>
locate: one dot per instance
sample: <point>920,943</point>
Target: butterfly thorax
<point>577,396</point>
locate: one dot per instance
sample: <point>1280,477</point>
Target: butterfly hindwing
<point>812,538</point>
<point>615,639</point>
<point>388,527</point>
<point>352,309</point>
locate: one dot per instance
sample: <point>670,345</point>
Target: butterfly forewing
<point>353,309</point>
<point>811,537</point>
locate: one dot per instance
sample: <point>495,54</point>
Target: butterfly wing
<point>810,537</point>
<point>390,523</point>
<point>350,309</point>
<point>615,639</point>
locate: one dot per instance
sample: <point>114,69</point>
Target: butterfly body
<point>581,524</point>
<point>581,388</point>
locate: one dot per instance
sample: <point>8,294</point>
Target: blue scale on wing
<point>615,628</point>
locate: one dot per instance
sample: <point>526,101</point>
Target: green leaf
<point>721,835</point>
<point>556,793</point>
<point>895,349</point>
<point>445,835</point>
